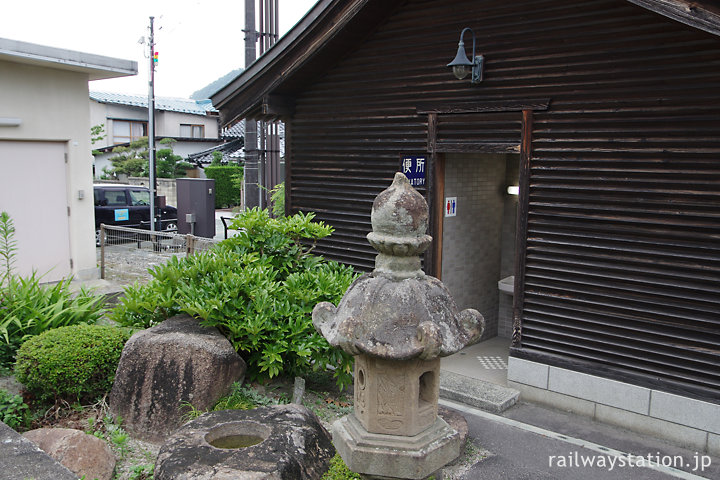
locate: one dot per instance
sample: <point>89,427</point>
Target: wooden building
<point>604,112</point>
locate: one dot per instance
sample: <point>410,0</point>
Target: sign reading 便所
<point>413,167</point>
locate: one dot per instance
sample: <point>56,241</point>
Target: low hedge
<point>227,194</point>
<point>72,363</point>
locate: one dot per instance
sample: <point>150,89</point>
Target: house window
<point>125,131</point>
<point>192,131</point>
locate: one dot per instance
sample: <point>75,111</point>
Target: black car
<point>127,206</point>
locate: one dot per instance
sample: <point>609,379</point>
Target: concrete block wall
<point>472,239</point>
<point>165,186</point>
<point>682,420</point>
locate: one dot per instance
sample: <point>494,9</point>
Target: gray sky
<point>197,41</point>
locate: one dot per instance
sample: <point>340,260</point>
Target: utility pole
<point>151,130</point>
<point>251,174</point>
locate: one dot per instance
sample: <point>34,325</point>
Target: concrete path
<point>532,442</point>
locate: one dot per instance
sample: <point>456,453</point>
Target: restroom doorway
<point>478,254</point>
<point>478,238</point>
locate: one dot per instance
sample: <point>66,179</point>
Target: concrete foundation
<point>379,456</point>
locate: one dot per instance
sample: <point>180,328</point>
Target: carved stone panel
<point>396,398</point>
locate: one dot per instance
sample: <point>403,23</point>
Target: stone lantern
<point>397,322</point>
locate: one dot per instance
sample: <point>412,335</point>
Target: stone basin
<point>283,441</point>
<point>234,435</point>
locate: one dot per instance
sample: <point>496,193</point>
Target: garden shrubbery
<point>13,411</point>
<point>28,308</point>
<point>77,362</point>
<point>226,177</point>
<point>258,289</point>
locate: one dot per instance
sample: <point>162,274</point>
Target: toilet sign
<point>413,167</point>
<point>451,206</point>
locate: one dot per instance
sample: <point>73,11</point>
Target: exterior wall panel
<point>622,263</point>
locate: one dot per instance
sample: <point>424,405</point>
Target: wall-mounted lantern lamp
<point>462,66</point>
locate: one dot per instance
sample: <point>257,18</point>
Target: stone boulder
<point>283,442</point>
<point>84,455</point>
<point>161,368</point>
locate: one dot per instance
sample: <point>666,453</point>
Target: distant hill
<point>208,90</point>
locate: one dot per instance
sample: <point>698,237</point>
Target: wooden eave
<point>323,36</point>
<point>332,29</point>
<point>701,15</point>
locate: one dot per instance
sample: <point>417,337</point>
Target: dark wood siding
<point>622,266</point>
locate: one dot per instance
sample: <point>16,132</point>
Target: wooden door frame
<point>436,183</point>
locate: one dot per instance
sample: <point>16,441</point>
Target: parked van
<point>127,206</point>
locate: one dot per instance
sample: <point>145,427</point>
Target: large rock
<point>161,368</point>
<point>20,458</point>
<point>287,443</point>
<point>85,455</point>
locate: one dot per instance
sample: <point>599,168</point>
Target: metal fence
<point>126,254</point>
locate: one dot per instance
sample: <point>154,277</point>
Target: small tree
<point>217,158</point>
<point>131,160</point>
<point>97,133</point>
<point>170,165</point>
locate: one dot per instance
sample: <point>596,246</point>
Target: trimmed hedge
<point>227,194</point>
<point>77,362</point>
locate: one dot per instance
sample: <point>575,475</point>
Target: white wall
<point>169,123</point>
<point>53,106</point>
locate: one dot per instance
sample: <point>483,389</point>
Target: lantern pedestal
<point>381,456</point>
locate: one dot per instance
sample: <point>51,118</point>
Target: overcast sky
<point>197,41</point>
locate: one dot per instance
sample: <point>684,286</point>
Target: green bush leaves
<point>13,411</point>
<point>74,363</point>
<point>28,308</point>
<point>227,193</point>
<point>258,289</point>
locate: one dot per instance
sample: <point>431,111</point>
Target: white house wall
<point>169,124</point>
<point>52,107</point>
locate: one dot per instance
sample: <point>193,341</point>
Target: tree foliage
<point>133,160</point>
<point>258,289</point>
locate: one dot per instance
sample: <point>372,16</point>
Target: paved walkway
<point>532,442</point>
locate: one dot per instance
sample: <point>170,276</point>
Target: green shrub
<point>8,246</point>
<point>28,308</point>
<point>339,471</point>
<point>258,289</point>
<point>74,363</point>
<point>226,192</point>
<point>13,410</point>
<point>277,198</point>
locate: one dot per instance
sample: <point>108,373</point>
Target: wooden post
<point>189,245</point>
<point>522,221</point>
<point>102,251</point>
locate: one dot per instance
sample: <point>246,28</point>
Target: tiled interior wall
<point>471,240</point>
<point>510,203</point>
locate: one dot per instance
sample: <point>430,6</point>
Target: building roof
<point>331,26</point>
<point>97,67</point>
<point>231,151</point>
<point>170,104</point>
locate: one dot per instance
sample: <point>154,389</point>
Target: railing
<point>126,254</point>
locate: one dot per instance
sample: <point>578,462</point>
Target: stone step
<point>477,393</point>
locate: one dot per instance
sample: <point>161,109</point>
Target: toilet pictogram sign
<point>451,206</point>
